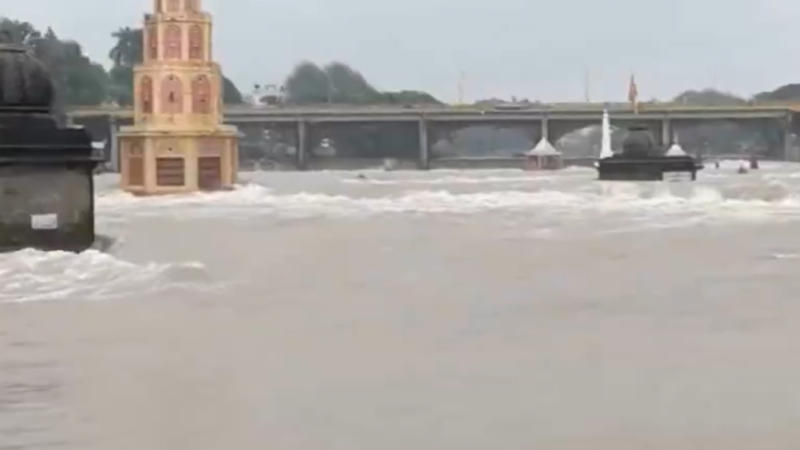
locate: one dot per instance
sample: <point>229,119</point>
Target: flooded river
<point>415,310</point>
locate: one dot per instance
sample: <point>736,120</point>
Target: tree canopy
<point>409,98</point>
<point>787,93</point>
<point>339,83</point>
<point>230,93</point>
<point>79,81</point>
<point>308,84</point>
<point>76,79</point>
<point>349,86</point>
<point>128,50</point>
<point>708,97</point>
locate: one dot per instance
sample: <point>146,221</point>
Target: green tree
<point>349,86</point>
<point>76,79</point>
<point>230,93</point>
<point>341,84</point>
<point>409,98</point>
<point>308,84</point>
<point>128,50</point>
<point>19,32</point>
<point>708,97</point>
<point>787,93</point>
<point>121,86</point>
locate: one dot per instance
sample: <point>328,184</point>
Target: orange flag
<point>633,95</point>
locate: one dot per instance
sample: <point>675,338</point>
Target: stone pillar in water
<point>302,145</point>
<point>424,149</point>
<point>666,132</point>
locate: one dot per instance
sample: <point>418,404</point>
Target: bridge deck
<point>455,114</point>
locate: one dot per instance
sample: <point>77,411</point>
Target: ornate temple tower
<point>178,142</point>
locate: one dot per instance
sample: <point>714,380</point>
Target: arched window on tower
<point>201,95</point>
<point>172,95</point>
<point>146,95</point>
<point>173,5</point>
<point>152,42</point>
<point>172,42</point>
<point>196,42</point>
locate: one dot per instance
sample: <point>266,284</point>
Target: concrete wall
<point>46,207</point>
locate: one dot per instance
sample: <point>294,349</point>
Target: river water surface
<point>413,310</point>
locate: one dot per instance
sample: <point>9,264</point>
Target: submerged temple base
<point>46,206</point>
<point>178,162</point>
<point>650,169</point>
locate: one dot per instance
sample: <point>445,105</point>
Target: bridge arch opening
<point>587,141</point>
<point>730,138</point>
<point>362,145</point>
<point>492,140</point>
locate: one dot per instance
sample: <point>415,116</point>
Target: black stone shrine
<point>642,160</point>
<point>46,184</point>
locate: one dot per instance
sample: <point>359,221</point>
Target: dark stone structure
<point>642,160</point>
<point>46,184</point>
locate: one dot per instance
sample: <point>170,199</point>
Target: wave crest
<point>256,199</point>
<point>31,275</point>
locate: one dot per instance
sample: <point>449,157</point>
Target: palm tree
<point>128,50</point>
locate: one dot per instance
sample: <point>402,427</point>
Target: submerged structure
<point>676,149</point>
<point>544,157</point>
<point>178,142</point>
<point>46,184</point>
<point>642,160</point>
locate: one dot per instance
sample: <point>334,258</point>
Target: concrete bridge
<point>305,128</point>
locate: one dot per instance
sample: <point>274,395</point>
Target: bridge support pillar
<point>786,133</point>
<point>113,145</point>
<point>424,145</point>
<point>666,132</point>
<point>302,145</point>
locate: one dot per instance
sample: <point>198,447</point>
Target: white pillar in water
<point>606,151</point>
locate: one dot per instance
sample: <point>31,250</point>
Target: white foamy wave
<point>446,180</point>
<point>31,275</point>
<point>698,202</point>
<point>785,256</point>
<point>460,177</point>
<point>254,199</point>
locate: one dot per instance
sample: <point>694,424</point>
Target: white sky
<point>538,49</point>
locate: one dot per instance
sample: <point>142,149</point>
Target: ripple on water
<point>32,275</point>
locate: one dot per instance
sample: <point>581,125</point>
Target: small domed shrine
<point>178,142</point>
<point>46,184</point>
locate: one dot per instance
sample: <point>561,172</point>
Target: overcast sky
<point>540,49</point>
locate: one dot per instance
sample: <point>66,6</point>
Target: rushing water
<point>411,310</point>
